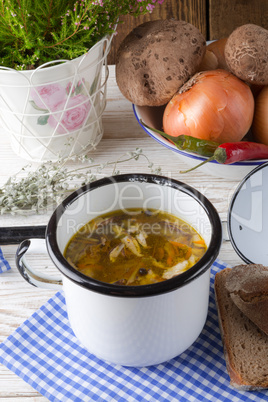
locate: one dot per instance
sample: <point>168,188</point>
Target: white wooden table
<point>19,300</point>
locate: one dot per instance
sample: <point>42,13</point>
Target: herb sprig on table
<point>42,189</point>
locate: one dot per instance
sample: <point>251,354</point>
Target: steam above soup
<point>135,247</point>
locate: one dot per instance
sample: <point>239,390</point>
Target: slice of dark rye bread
<point>248,286</point>
<point>245,345</point>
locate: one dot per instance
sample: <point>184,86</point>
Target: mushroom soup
<point>135,247</point>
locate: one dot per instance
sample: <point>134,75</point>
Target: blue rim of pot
<point>163,141</point>
<point>143,290</point>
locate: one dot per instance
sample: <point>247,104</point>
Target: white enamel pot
<point>132,325</point>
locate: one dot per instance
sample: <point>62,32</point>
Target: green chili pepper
<point>188,143</point>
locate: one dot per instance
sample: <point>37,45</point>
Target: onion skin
<point>214,57</point>
<point>260,121</point>
<point>213,105</point>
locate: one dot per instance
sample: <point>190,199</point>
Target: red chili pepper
<point>231,152</point>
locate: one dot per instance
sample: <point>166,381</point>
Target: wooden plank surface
<point>214,18</point>
<point>193,11</point>
<point>226,15</point>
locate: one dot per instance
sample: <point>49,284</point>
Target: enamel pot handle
<point>28,273</point>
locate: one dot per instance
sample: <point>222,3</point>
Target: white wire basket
<point>55,111</point>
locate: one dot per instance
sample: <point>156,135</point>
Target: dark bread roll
<point>248,287</point>
<point>245,345</point>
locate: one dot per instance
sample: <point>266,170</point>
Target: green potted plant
<point>52,86</point>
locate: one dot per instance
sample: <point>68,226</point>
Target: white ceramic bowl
<point>152,116</point>
<point>132,325</point>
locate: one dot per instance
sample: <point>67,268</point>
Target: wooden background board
<point>193,11</point>
<point>216,19</point>
<point>226,15</point>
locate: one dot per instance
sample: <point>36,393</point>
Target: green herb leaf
<point>42,120</point>
<point>35,32</point>
<point>34,105</point>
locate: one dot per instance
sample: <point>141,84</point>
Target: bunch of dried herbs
<point>40,190</point>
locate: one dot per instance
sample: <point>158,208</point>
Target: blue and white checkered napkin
<point>4,265</point>
<point>45,353</point>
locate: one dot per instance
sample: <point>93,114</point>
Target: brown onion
<point>213,105</point>
<point>214,57</point>
<point>260,120</point>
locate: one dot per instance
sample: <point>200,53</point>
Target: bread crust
<point>245,346</point>
<point>248,287</point>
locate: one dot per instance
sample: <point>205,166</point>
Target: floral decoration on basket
<point>53,72</point>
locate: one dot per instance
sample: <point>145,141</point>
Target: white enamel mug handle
<point>30,274</point>
<point>225,234</point>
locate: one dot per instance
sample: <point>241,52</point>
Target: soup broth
<point>135,247</point>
